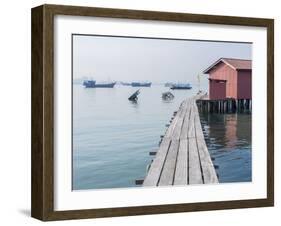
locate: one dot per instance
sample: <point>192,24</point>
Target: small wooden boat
<point>134,96</point>
<point>167,96</point>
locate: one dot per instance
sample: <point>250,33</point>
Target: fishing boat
<point>105,85</point>
<point>141,84</point>
<point>93,84</point>
<point>89,83</point>
<point>181,86</point>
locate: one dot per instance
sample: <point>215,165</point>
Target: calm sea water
<point>228,138</point>
<point>112,137</point>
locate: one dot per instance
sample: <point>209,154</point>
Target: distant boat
<point>105,85</point>
<point>89,83</point>
<point>181,86</point>
<point>126,83</point>
<point>141,84</point>
<point>93,84</point>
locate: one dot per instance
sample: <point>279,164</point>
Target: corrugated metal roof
<point>237,64</point>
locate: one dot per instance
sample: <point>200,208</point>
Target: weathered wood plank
<point>195,175</point>
<point>183,157</point>
<point>177,130</point>
<point>184,132</point>
<point>208,170</point>
<point>176,124</point>
<point>154,172</point>
<point>191,129</point>
<point>183,107</point>
<point>198,127</point>
<point>181,174</point>
<point>167,175</point>
<point>172,125</point>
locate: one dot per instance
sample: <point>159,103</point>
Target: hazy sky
<point>155,60</point>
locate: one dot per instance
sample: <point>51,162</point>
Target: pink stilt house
<point>230,78</point>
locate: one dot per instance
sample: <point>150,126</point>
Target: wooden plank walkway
<point>182,157</point>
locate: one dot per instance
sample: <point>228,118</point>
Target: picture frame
<point>43,107</point>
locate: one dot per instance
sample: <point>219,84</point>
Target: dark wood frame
<point>42,203</point>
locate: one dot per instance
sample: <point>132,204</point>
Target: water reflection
<point>134,103</point>
<point>228,137</point>
<point>168,101</point>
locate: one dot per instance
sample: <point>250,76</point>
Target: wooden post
<point>230,105</point>
<point>227,107</point>
<point>215,106</point>
<point>250,105</point>
<point>239,106</point>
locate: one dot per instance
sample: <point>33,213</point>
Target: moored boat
<point>89,83</point>
<point>105,85</point>
<point>181,86</point>
<point>141,84</point>
<point>93,84</point>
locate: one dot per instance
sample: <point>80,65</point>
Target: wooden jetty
<point>228,105</point>
<point>182,157</point>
